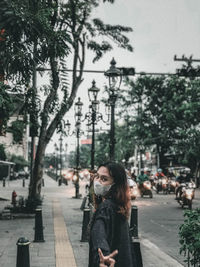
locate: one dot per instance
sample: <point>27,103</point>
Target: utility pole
<point>188,70</point>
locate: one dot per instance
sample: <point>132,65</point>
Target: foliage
<point>84,159</point>
<point>102,148</point>
<point>6,105</point>
<point>125,144</point>
<point>189,149</point>
<point>39,33</point>
<point>189,233</point>
<point>85,156</point>
<point>50,160</point>
<point>2,152</point>
<point>19,161</point>
<point>72,159</point>
<point>165,111</point>
<point>32,105</point>
<point>17,129</point>
<point>56,28</point>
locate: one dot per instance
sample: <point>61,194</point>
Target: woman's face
<point>103,176</point>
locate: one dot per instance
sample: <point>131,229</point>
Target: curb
<point>159,255</point>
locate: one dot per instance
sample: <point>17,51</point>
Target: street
<point>159,219</point>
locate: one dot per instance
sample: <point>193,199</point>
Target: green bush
<point>189,233</point>
<point>17,129</point>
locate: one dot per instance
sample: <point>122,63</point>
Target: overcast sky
<point>161,29</point>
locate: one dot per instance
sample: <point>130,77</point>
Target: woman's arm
<point>100,234</point>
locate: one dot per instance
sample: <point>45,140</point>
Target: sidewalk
<point>62,221</point>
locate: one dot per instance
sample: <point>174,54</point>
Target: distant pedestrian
<point>109,229</point>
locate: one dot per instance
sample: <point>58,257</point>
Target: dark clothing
<point>109,231</point>
<point>142,178</point>
<point>183,179</point>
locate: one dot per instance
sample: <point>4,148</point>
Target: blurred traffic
<point>174,180</point>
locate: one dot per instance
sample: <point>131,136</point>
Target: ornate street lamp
<point>61,148</point>
<point>93,92</point>
<point>56,160</point>
<point>93,116</point>
<point>78,110</point>
<point>78,115</point>
<point>115,78</point>
<point>77,132</point>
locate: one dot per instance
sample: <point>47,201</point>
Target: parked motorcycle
<point>186,194</point>
<point>145,189</point>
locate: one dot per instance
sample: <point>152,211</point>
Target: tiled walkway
<point>63,249</point>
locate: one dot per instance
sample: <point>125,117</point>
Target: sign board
<point>86,142</point>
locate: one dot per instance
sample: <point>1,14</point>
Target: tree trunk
<point>35,186</point>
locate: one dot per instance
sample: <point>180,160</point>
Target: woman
<point>109,229</point>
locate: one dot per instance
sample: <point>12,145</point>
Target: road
<point>159,219</point>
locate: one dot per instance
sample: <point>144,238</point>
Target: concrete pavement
<point>62,221</point>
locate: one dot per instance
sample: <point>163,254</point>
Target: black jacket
<point>109,231</point>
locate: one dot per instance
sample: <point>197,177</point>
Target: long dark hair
<point>119,192</point>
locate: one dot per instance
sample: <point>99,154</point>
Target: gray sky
<point>161,29</point>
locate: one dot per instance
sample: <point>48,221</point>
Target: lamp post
<point>93,116</point>
<point>115,77</point>
<point>56,160</point>
<point>78,115</point>
<point>61,147</point>
<point>66,158</point>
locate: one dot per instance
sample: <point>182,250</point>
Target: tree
<point>188,149</point>
<point>2,152</point>
<point>189,234</point>
<point>126,139</point>
<point>165,110</point>
<point>84,157</point>
<point>50,160</point>
<point>39,32</point>
<point>6,107</point>
<point>124,147</point>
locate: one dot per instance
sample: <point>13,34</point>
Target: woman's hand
<point>107,260</point>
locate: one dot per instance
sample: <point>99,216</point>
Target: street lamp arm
<point>88,116</point>
<point>101,118</point>
<point>70,134</point>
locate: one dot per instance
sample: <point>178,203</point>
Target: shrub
<point>17,130</point>
<point>189,233</point>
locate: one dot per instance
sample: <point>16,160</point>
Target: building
<point>16,125</point>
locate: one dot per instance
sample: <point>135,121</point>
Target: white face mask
<point>101,190</point>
